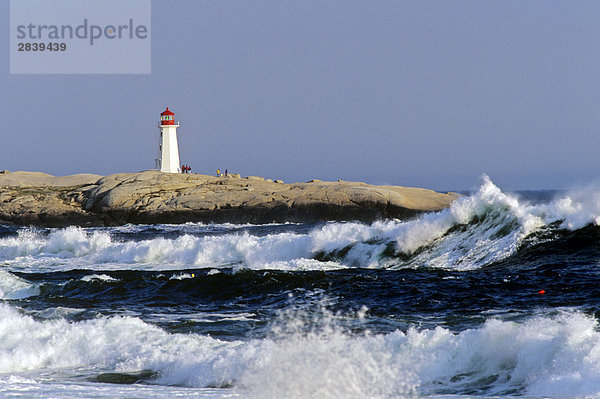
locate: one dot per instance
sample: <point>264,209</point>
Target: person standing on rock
<point>218,172</point>
<point>225,172</point>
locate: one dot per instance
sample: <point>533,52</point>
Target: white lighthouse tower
<point>168,150</point>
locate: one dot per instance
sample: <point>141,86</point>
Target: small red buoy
<point>541,292</point>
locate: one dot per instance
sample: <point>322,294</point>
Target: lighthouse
<point>168,149</point>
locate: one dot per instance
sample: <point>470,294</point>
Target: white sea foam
<point>556,357</point>
<point>19,387</point>
<point>485,227</point>
<point>181,276</point>
<point>98,277</point>
<point>575,209</point>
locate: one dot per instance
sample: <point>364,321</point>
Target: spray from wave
<point>313,356</point>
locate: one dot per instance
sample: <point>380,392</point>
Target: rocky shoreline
<point>35,198</point>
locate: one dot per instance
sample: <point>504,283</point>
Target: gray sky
<point>418,93</point>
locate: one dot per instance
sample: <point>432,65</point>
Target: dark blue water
<point>565,269</point>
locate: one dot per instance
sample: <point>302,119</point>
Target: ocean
<point>497,296</point>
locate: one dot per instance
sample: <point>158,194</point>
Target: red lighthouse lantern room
<point>167,117</point>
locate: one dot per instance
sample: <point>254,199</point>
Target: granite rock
<point>155,197</point>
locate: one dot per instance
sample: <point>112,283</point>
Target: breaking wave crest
<point>485,227</point>
<point>13,287</point>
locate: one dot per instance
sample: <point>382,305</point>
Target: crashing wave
<point>485,227</point>
<point>552,356</point>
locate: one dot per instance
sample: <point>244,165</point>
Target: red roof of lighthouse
<point>167,112</point>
